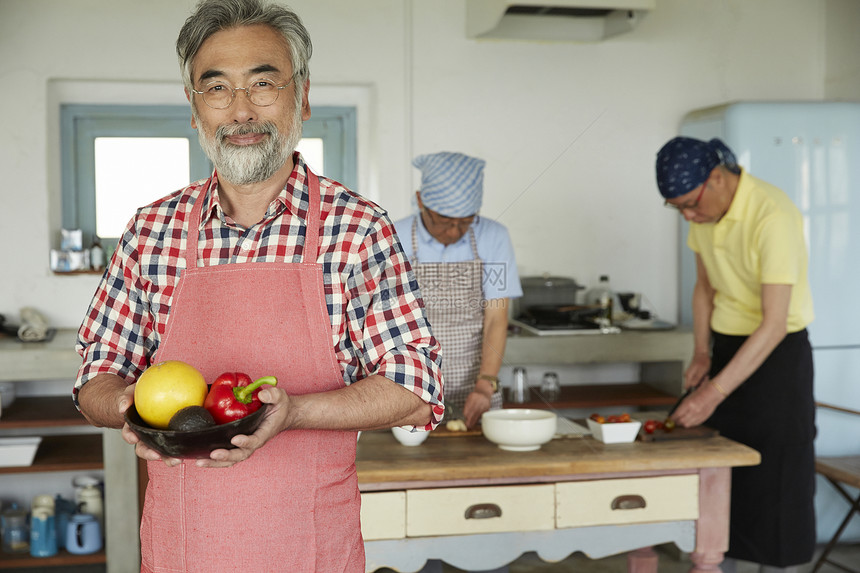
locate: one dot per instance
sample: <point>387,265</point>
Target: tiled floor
<point>848,555</point>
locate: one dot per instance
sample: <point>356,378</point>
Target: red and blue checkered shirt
<point>378,324</point>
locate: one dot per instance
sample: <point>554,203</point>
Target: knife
<point>689,391</point>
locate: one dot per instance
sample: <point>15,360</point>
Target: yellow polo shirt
<point>758,241</point>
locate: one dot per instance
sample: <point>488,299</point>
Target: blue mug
<point>43,533</point>
<point>83,534</point>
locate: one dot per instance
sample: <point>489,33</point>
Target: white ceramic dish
<point>614,432</point>
<point>18,452</point>
<point>408,438</point>
<point>519,430</point>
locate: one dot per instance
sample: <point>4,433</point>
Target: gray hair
<point>212,16</point>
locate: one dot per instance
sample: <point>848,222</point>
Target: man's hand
<point>477,403</point>
<point>274,422</point>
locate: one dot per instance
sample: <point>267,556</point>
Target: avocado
<point>191,418</point>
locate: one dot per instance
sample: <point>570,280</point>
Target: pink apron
<point>294,504</point>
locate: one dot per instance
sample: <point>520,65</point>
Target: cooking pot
<point>548,290</point>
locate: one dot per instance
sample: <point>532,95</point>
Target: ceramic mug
<point>83,534</point>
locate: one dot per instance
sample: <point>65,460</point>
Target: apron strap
<point>415,239</point>
<point>313,222</point>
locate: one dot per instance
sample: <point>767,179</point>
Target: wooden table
<point>573,494</point>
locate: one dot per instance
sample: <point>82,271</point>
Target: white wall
<point>569,130</point>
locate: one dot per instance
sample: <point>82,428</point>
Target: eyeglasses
<point>442,222</point>
<point>688,206</point>
<point>261,92</point>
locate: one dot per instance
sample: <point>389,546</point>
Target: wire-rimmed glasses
<point>261,92</point>
<point>688,206</point>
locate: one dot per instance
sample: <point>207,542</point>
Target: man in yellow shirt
<point>752,361</point>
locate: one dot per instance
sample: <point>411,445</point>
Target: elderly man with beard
<point>264,268</point>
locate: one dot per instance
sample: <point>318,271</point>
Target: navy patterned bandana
<point>684,163</point>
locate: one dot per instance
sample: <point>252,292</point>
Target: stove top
<point>561,328</point>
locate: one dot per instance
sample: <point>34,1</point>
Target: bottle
<point>43,531</point>
<point>97,255</point>
<point>602,296</point>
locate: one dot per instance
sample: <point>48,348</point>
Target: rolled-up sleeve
<point>387,319</point>
<point>116,335</point>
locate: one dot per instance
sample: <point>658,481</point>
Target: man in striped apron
<point>467,273</point>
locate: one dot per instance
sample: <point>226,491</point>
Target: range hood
<point>553,20</point>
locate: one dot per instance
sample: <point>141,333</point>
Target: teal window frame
<point>336,126</point>
<point>81,124</point>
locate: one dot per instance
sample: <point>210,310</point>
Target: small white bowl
<point>408,438</point>
<point>16,452</point>
<point>518,429</point>
<point>614,432</point>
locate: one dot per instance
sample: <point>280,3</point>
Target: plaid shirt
<point>378,324</point>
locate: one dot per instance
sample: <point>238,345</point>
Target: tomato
<point>598,418</point>
<point>650,426</point>
<point>624,418</point>
<point>669,424</point>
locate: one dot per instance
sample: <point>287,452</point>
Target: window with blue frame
<point>116,158</point>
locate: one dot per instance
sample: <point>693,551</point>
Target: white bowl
<point>18,452</point>
<point>614,432</point>
<point>518,429</point>
<point>408,438</point>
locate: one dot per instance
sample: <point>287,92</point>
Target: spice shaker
<point>550,388</point>
<point>520,389</point>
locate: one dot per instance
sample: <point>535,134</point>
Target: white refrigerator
<point>811,150</point>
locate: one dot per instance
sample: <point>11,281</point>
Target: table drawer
<point>458,511</point>
<point>383,515</point>
<point>635,500</point>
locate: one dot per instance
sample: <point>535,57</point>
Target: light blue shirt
<point>500,280</point>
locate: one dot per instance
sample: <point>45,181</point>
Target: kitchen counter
<point>662,355</point>
<point>55,359</point>
<point>681,488</point>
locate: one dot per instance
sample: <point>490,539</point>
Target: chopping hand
<point>689,391</point>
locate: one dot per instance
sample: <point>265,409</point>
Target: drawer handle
<point>628,502</point>
<point>483,511</point>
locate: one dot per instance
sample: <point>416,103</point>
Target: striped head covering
<point>685,163</point>
<point>452,184</point>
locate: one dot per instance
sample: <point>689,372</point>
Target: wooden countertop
<point>384,464</point>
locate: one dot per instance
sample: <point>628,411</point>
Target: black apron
<point>772,504</point>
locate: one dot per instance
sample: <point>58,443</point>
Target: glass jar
<point>16,535</point>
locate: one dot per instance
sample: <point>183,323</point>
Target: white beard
<point>246,164</point>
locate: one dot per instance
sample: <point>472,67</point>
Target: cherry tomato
<point>669,424</point>
<point>650,426</point>
<point>598,418</point>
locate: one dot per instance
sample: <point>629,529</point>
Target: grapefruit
<point>165,388</point>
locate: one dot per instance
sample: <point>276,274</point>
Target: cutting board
<point>442,432</point>
<point>678,434</point>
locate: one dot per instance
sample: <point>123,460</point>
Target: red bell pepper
<point>233,396</point>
